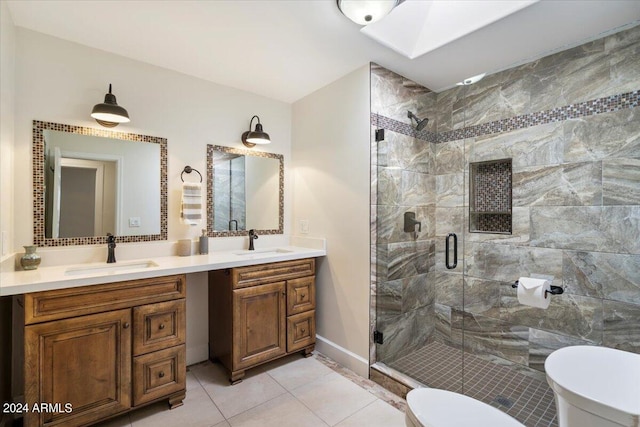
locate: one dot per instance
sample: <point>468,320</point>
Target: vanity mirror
<point>89,182</point>
<point>245,191</point>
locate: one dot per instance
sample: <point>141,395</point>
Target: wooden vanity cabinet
<point>103,350</point>
<point>261,312</point>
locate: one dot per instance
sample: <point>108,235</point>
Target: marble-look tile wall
<point>576,210</point>
<point>403,180</point>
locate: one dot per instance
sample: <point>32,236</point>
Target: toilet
<point>430,407</point>
<point>595,386</point>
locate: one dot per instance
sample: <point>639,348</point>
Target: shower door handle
<point>455,251</point>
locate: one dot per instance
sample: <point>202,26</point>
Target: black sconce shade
<point>258,136</point>
<point>109,113</point>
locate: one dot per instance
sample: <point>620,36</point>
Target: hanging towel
<point>191,204</point>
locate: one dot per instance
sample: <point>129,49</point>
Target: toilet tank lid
<point>441,408</point>
<point>604,375</point>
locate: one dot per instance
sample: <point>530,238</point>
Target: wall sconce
<point>109,114</point>
<point>365,12</point>
<point>251,138</point>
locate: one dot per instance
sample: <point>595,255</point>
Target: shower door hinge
<point>378,337</point>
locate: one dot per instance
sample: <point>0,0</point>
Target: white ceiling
<point>286,49</point>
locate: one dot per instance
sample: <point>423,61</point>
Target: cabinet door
<point>83,361</point>
<point>259,333</point>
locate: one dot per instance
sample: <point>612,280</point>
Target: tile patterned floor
<point>528,399</point>
<point>292,391</point>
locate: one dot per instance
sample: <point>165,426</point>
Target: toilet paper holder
<point>553,290</point>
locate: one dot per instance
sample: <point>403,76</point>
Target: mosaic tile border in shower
<point>607,104</point>
<point>382,122</point>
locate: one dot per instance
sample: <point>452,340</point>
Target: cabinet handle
<point>161,326</point>
<point>303,331</point>
<point>161,374</point>
<point>302,295</point>
<point>126,325</point>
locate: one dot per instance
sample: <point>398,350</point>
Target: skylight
<point>416,27</point>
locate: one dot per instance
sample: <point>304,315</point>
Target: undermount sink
<point>265,251</point>
<point>109,268</point>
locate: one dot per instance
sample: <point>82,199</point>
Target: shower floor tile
<point>527,399</point>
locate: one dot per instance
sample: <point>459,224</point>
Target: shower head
<point>420,124</point>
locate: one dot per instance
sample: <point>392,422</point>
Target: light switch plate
<point>304,226</point>
<point>134,221</point>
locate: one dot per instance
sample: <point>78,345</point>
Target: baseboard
<point>346,358</point>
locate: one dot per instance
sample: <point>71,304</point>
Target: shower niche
<point>490,184</point>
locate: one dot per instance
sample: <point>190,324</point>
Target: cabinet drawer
<point>267,273</point>
<point>73,302</point>
<point>301,295</point>
<point>159,374</point>
<point>301,330</point>
<point>157,326</point>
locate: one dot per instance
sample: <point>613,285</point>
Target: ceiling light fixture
<point>109,114</point>
<point>365,12</point>
<point>258,136</point>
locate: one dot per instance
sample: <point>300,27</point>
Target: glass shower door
<point>419,210</point>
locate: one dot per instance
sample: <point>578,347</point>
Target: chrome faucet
<point>252,236</point>
<point>111,244</point>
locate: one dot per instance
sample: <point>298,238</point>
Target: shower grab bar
<point>455,251</point>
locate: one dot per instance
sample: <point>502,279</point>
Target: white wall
<point>330,151</point>
<point>59,81</point>
<point>7,107</point>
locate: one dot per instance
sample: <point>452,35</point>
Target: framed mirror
<point>245,191</point>
<point>89,182</point>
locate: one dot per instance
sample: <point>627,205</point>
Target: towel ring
<point>189,169</point>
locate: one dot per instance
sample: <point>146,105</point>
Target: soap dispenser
<point>204,243</point>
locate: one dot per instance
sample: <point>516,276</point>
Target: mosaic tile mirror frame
<point>40,238</point>
<point>275,208</point>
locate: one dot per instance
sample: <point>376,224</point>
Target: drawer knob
<point>302,295</point>
<point>303,330</point>
<point>161,326</point>
<point>161,374</point>
<point>126,325</point>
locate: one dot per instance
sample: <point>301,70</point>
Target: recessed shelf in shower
<point>490,198</point>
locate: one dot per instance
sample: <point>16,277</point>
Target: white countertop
<point>58,277</point>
